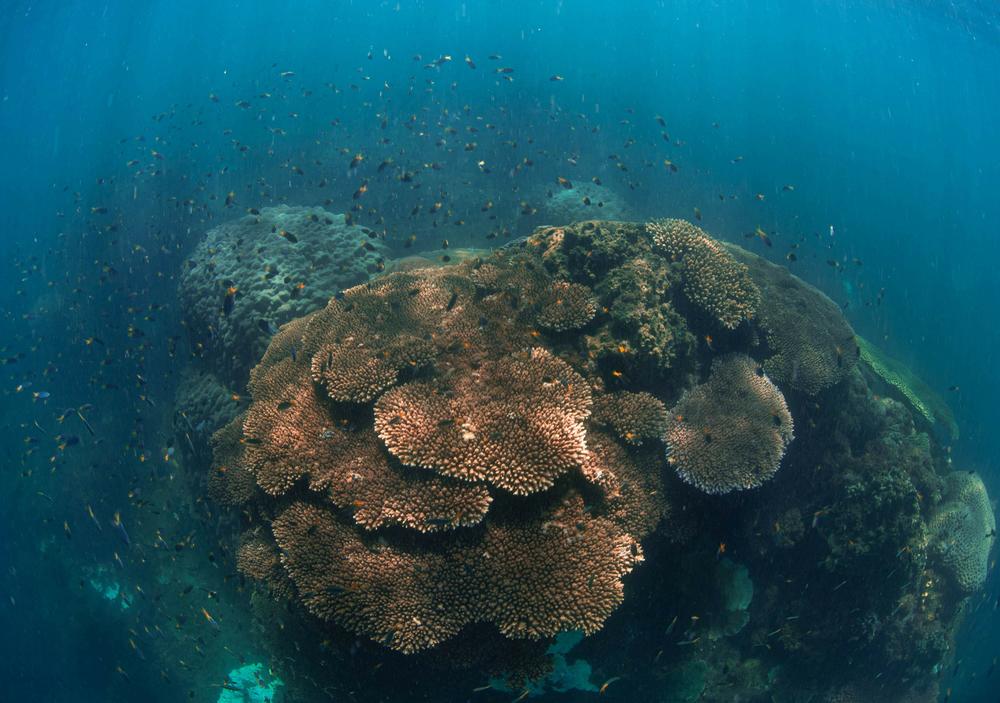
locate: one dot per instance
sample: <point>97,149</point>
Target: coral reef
<point>249,276</point>
<point>810,346</point>
<point>963,531</point>
<point>730,432</point>
<point>427,402</point>
<point>461,464</point>
<point>921,397</point>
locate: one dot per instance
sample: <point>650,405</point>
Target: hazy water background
<point>882,115</point>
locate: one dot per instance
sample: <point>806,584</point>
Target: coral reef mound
<point>462,464</point>
<point>963,530</point>
<point>249,276</point>
<point>730,432</point>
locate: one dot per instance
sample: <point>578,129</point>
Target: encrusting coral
<point>810,345</point>
<point>730,432</point>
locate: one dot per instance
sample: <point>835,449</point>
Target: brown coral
<point>810,344</point>
<point>713,280</point>
<point>431,402</point>
<point>516,422</point>
<point>410,599</point>
<point>392,595</point>
<point>730,432</point>
<point>566,306</point>
<point>379,494</point>
<point>631,481</point>
<point>635,417</point>
<point>374,333</point>
<point>574,581</point>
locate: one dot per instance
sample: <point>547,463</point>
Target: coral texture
<point>249,276</point>
<point>713,280</point>
<point>633,416</point>
<point>385,428</point>
<point>921,397</point>
<point>810,344</point>
<point>963,531</point>
<point>730,432</point>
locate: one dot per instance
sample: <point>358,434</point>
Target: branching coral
<point>635,417</point>
<point>713,280</point>
<point>730,432</point>
<point>963,530</point>
<point>810,344</point>
<point>566,306</point>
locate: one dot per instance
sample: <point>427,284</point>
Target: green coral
<point>962,531</point>
<point>918,394</point>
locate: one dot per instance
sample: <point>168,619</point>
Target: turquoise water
<point>860,137</point>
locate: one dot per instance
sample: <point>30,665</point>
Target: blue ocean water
<point>860,136</point>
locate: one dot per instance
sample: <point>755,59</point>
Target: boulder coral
<point>249,276</point>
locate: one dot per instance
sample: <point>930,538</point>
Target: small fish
<point>604,686</point>
<point>564,182</point>
<point>788,187</point>
<point>93,518</point>
<point>68,532</point>
<point>230,198</point>
<point>229,301</point>
<point>954,389</point>
<point>211,621</point>
<point>120,528</point>
<point>556,78</point>
<point>358,158</point>
<point>469,62</point>
<point>762,236</point>
<point>289,236</point>
<point>41,395</point>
